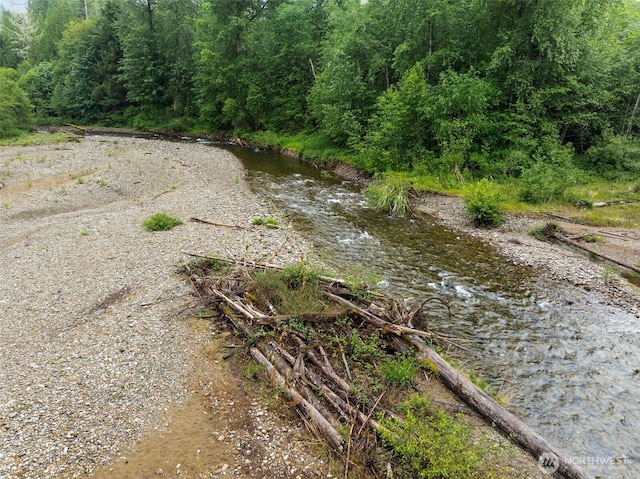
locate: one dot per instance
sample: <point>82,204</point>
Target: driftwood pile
<point>317,380</point>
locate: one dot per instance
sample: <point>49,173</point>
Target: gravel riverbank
<point>94,345</point>
<point>557,263</point>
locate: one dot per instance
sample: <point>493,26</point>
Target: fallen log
<point>595,253</point>
<point>329,372</point>
<point>272,353</point>
<point>386,326</point>
<point>600,204</point>
<point>318,420</point>
<point>480,401</point>
<point>258,265</point>
<point>77,127</point>
<point>339,401</point>
<point>474,396</point>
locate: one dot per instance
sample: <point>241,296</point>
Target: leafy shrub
<point>431,444</point>
<point>15,109</point>
<point>400,370</point>
<point>298,275</point>
<point>551,175</point>
<point>160,222</point>
<point>484,203</point>
<point>616,157</point>
<point>365,352</point>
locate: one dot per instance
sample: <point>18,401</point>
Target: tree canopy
<point>459,86</point>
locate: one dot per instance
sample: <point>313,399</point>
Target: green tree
<point>156,41</point>
<point>50,21</point>
<point>38,84</point>
<point>16,32</point>
<point>15,109</point>
<point>221,60</point>
<point>398,133</point>
<point>283,48</point>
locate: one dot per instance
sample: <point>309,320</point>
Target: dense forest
<point>525,89</point>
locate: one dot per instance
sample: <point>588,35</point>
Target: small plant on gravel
<point>544,232</point>
<point>80,180</point>
<point>161,222</point>
<point>268,222</point>
<point>537,233</point>
<point>484,203</point>
<point>593,239</point>
<point>608,273</point>
<point>271,223</point>
<point>84,232</point>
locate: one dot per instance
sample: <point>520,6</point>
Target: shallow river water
<point>566,362</point>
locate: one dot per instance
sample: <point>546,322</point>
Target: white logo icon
<point>549,462</point>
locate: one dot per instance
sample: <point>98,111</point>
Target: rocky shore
<point>552,261</point>
<point>96,345</point>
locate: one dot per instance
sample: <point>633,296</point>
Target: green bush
<point>431,444</point>
<point>160,222</point>
<point>484,203</point>
<point>543,183</point>
<point>616,157</point>
<point>15,109</point>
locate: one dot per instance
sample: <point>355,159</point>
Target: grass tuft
<point>393,198</point>
<point>161,222</point>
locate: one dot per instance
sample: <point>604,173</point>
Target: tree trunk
<point>633,114</point>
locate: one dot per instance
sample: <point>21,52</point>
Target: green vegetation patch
<point>388,197</point>
<point>161,222</point>
<point>292,291</point>
<point>484,203</point>
<point>268,222</point>
<point>430,444</point>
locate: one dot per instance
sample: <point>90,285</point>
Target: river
<point>567,363</point>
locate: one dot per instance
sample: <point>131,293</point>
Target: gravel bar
<point>94,348</point>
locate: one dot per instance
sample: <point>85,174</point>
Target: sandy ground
<point>98,345</point>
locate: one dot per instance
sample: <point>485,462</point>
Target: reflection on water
<point>568,363</point>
